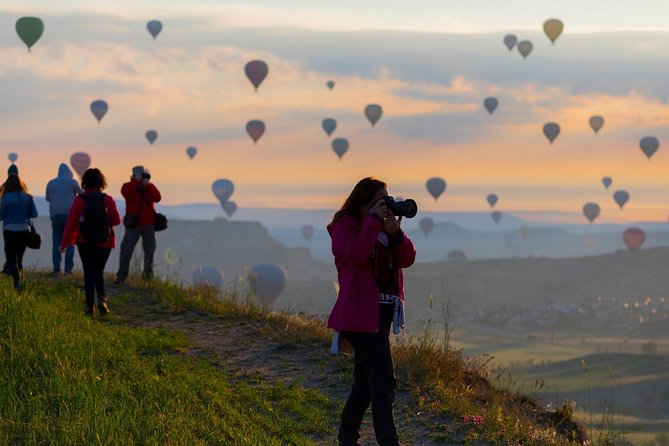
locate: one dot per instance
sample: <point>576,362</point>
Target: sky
<point>429,64</point>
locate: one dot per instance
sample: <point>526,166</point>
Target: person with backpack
<point>17,207</point>
<point>90,225</point>
<point>139,221</point>
<point>60,193</point>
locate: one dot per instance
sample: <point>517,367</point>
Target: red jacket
<point>72,236</point>
<point>134,203</point>
<point>357,305</point>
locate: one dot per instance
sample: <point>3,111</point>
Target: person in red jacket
<point>139,221</point>
<point>370,250</point>
<point>90,225</point>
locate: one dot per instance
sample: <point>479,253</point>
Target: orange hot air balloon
<point>634,238</point>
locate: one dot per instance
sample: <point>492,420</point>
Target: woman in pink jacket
<point>370,251</point>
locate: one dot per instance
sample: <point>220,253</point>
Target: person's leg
<point>130,239</point>
<point>57,228</point>
<point>21,246</point>
<point>69,259</point>
<point>101,255</point>
<point>149,246</point>
<point>356,404</point>
<point>88,265</point>
<point>382,385</point>
<point>10,255</point>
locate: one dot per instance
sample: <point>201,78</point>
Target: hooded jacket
<point>61,191</point>
<point>357,305</point>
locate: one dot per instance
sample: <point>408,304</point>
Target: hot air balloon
<point>255,129</point>
<point>621,197</point>
<point>229,207</point>
<point>330,84</point>
<point>307,232</point>
<point>649,145</point>
<point>490,104</point>
<point>553,28</point>
<point>329,125</point>
<point>170,257</point>
<point>525,232</point>
<point>99,109</point>
<point>151,135</point>
<point>607,181</point>
<point>154,27</point>
<point>591,211</point>
<point>596,123</point>
<point>524,48</point>
<point>436,186</point>
<point>373,113</point>
<point>80,161</point>
<point>426,225</point>
<point>634,238</point>
<point>29,29</point>
<point>222,189</point>
<point>510,41</point>
<point>268,281</point>
<point>496,216</point>
<point>191,152</point>
<point>492,200</point>
<point>207,276</point>
<point>12,157</point>
<point>457,255</point>
<point>256,71</point>
<point>340,146</point>
<point>551,130</point>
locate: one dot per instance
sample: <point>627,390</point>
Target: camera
<point>146,176</point>
<point>404,208</point>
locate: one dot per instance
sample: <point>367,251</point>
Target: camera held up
<point>404,208</point>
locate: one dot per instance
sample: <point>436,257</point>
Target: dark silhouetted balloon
<point>490,104</point>
<point>621,197</point>
<point>510,41</point>
<point>29,29</point>
<point>99,109</point>
<point>80,161</point>
<point>329,125</point>
<point>551,131</point>
<point>426,225</point>
<point>649,145</point>
<point>12,157</point>
<point>255,129</point>
<point>496,216</point>
<point>222,189</point>
<point>267,281</point>
<point>596,123</point>
<point>373,113</point>
<point>307,232</point>
<point>591,211</point>
<point>154,27</point>
<point>191,152</point>
<point>634,238</point>
<point>330,85</point>
<point>436,186</point>
<point>524,48</point>
<point>607,181</point>
<point>492,200</point>
<point>256,71</point>
<point>229,207</point>
<point>151,135</point>
<point>553,28</point>
<point>340,146</point>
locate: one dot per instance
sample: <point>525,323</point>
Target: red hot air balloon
<point>634,238</point>
<point>80,162</point>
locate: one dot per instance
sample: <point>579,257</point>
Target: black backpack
<point>94,222</point>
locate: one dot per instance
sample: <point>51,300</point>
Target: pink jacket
<point>357,305</point>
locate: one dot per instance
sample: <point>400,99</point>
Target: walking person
<point>370,250</point>
<point>17,207</point>
<point>60,193</point>
<point>140,197</point>
<point>90,225</point>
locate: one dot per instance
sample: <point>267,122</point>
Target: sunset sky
<point>429,64</point>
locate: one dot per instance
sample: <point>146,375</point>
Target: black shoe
<point>119,281</point>
<point>54,273</point>
<point>90,311</point>
<point>103,306</point>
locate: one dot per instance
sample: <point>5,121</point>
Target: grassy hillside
<point>179,366</point>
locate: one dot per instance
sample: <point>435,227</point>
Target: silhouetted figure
<point>60,193</point>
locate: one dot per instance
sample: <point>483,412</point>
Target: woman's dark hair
<point>362,193</point>
<point>93,179</point>
<point>12,184</point>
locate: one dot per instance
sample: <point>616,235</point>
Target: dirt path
<point>240,348</point>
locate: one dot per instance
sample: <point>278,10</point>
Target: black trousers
<point>16,243</point>
<point>373,382</point>
<point>93,260</point>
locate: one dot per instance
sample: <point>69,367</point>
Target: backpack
<point>94,222</point>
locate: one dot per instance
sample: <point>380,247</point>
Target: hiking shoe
<point>103,306</point>
<point>54,273</point>
<point>90,311</point>
<point>119,281</point>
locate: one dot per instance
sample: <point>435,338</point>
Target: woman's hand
<point>380,209</point>
<point>391,224</point>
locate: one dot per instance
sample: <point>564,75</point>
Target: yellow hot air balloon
<point>553,28</point>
